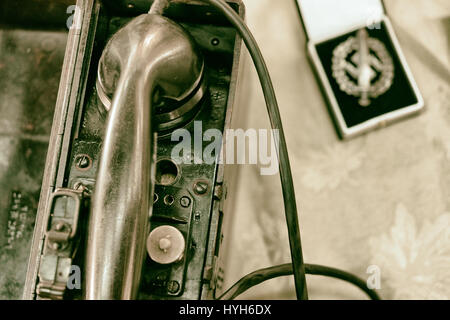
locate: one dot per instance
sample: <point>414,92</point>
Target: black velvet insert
<point>400,95</point>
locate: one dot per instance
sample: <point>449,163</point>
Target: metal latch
<point>64,214</point>
<point>56,260</point>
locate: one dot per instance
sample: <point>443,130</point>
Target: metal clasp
<point>63,219</point>
<point>56,260</point>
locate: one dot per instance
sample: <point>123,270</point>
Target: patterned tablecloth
<point>381,200</point>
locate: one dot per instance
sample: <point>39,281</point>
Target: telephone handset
<point>150,56</point>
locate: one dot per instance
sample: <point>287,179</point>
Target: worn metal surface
<point>158,280</point>
<point>151,56</point>
<point>81,128</point>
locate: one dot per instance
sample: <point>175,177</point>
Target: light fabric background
<point>382,199</point>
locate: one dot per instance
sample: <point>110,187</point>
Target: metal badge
<point>362,67</point>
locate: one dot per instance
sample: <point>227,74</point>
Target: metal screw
<point>83,162</point>
<point>185,202</point>
<point>197,215</point>
<point>173,287</point>
<point>201,187</point>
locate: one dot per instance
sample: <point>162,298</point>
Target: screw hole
<point>166,172</point>
<point>169,200</point>
<point>215,42</point>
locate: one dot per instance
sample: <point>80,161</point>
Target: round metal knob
<point>165,245</point>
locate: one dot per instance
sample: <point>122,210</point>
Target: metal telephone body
<point>193,201</point>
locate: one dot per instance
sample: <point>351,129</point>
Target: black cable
<point>262,275</point>
<point>297,268</point>
<point>284,164</point>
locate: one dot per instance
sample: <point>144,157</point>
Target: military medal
<point>362,67</point>
<point>359,64</point>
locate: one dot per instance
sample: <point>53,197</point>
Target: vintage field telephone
<point>114,206</point>
<point>119,59</point>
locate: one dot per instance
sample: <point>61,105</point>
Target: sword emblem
<point>362,67</point>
